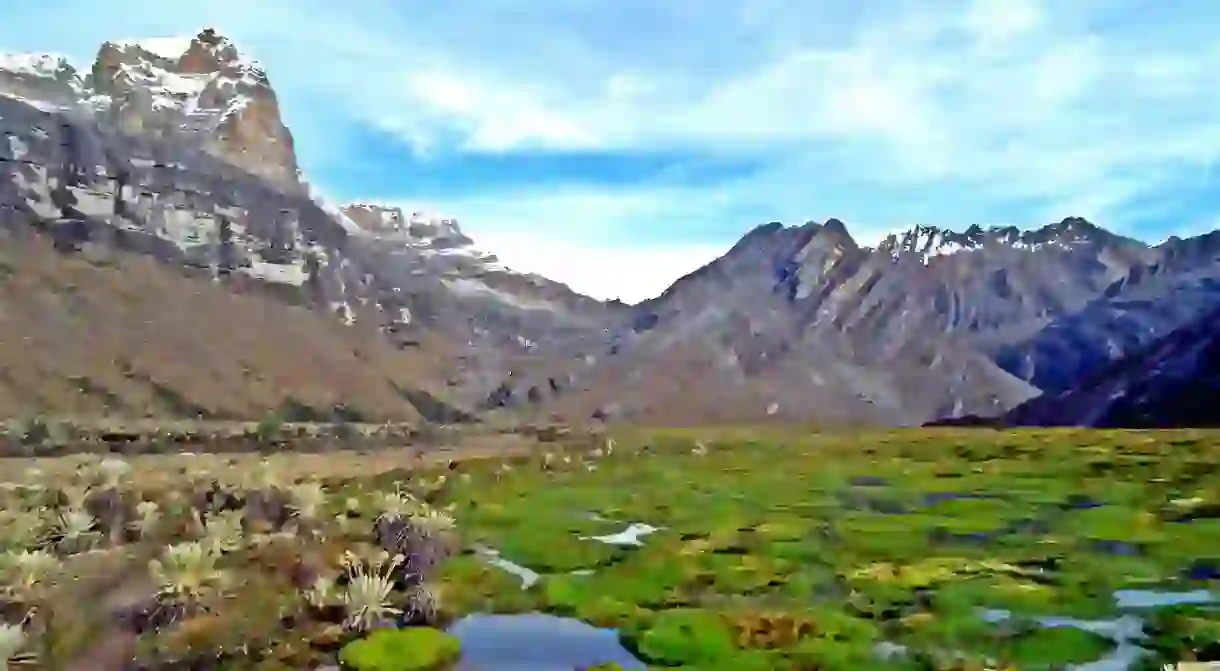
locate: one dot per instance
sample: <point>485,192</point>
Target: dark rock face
<point>1179,283</point>
<point>1172,382</point>
<point>803,321</point>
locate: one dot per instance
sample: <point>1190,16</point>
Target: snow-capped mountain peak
<point>202,85</point>
<point>169,48</point>
<point>36,65</point>
<point>45,80</point>
<point>416,228</point>
<point>925,243</point>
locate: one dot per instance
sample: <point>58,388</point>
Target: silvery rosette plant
<point>186,576</point>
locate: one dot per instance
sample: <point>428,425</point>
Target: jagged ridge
<point>179,152</point>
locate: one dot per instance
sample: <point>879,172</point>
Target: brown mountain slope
<point>104,332</point>
<point>184,157</point>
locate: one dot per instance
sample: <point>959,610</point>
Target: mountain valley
<point>170,162</point>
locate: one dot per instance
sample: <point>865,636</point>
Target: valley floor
<point>735,549</point>
<point>917,549</point>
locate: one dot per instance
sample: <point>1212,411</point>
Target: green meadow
<point>944,549</point>
<point>733,550</point>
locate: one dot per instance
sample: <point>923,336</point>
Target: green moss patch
<point>415,649</point>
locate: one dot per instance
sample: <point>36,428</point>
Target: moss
<point>683,636</point>
<point>1040,648</point>
<point>784,551</point>
<point>907,533</point>
<point>1184,633</point>
<point>415,649</point>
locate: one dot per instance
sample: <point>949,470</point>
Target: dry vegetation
<point>688,388</point>
<point>110,333</point>
<point>192,561</point>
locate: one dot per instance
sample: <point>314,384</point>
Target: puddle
<point>1123,631</point>
<point>887,650</point>
<point>1028,525</point>
<point>596,517</point>
<point>1203,569</point>
<point>629,536</point>
<point>1080,502</point>
<point>528,576</point>
<point>869,481</point>
<point>978,538</point>
<point>536,642</point>
<point>934,498</point>
<point>859,501</point>
<point>1151,598</point>
<point>1117,548</point>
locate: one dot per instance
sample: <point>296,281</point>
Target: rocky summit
<point>174,152</point>
<point>198,90</point>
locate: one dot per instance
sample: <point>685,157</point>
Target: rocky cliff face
<point>206,89</point>
<point>200,91</point>
<point>1173,381</point>
<point>41,77</point>
<point>185,158</point>
<point>1179,284</point>
<point>502,322</point>
<point>802,321</point>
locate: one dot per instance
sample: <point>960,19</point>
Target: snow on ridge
<point>335,212</point>
<point>39,65</point>
<point>395,218</point>
<point>414,217</point>
<point>170,48</point>
<point>235,66</point>
<point>41,105</point>
<point>925,243</point>
<point>475,288</point>
<point>244,63</point>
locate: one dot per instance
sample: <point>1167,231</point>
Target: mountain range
<point>167,255</point>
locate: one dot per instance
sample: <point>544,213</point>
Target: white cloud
<point>1008,96</point>
<point>996,23</point>
<point>630,273</point>
<point>879,113</point>
<point>581,246</point>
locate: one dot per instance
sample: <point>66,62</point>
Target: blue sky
<point>618,144</point>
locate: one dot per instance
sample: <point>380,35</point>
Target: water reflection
<point>528,576</point>
<point>536,642</point>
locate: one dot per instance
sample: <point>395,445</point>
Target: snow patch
<point>37,65</point>
<point>40,105</point>
<point>277,273</point>
<point>17,147</point>
<point>334,212</point>
<point>93,202</point>
<point>469,287</point>
<point>629,536</point>
<point>170,48</point>
<point>925,243</point>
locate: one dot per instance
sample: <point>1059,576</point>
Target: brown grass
<point>164,469</point>
<point>685,387</point>
<point>109,333</point>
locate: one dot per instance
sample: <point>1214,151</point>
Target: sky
<point>616,145</point>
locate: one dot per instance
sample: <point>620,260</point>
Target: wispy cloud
<point>662,130</point>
